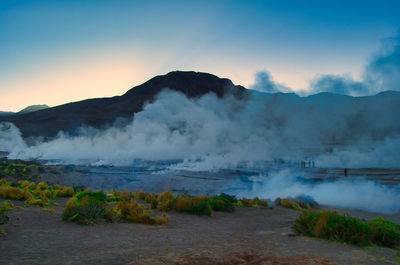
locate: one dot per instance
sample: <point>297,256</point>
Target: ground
<point>247,236</point>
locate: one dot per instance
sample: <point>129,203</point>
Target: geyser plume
<point>333,130</point>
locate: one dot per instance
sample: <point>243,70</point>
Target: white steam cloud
<point>344,193</point>
<point>209,133</point>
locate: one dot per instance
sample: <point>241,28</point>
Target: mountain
<point>24,111</point>
<point>6,113</point>
<point>101,112</point>
<point>33,108</point>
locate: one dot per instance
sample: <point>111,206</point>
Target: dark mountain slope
<point>100,112</point>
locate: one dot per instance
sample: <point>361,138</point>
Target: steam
<point>354,193</point>
<point>209,133</point>
<point>263,82</point>
<point>382,73</point>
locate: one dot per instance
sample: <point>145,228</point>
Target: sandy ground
<point>247,236</point>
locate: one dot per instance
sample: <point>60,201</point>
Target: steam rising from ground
<point>208,134</point>
<point>344,193</point>
<point>211,133</point>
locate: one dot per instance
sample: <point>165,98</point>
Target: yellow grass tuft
<point>165,196</point>
<point>134,212</point>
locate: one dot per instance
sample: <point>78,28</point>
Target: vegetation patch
<point>87,208</point>
<point>198,205</point>
<point>333,226</point>
<point>5,206</point>
<point>97,207</point>
<point>39,194</point>
<point>295,204</point>
<point>131,210</point>
<point>256,202</point>
<point>19,168</point>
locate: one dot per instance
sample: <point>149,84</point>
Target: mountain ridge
<point>104,112</point>
<point>101,112</point>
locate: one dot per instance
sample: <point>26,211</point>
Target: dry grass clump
<point>118,195</point>
<point>344,228</point>
<point>139,194</point>
<point>295,204</point>
<point>165,196</point>
<point>135,212</point>
<point>87,208</point>
<point>40,194</point>
<point>256,202</point>
<point>11,192</point>
<point>64,192</point>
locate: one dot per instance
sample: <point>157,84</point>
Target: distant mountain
<point>33,108</point>
<point>24,111</point>
<point>101,112</point>
<point>352,116</point>
<point>6,113</point>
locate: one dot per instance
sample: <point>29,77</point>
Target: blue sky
<point>54,52</point>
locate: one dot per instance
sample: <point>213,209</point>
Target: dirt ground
<point>247,236</point>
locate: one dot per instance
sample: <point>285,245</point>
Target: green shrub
<point>222,204</point>
<point>343,228</point>
<point>199,205</point>
<point>386,233</point>
<point>86,208</point>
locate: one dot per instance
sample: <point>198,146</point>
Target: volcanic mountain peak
<point>99,112</point>
<point>192,84</point>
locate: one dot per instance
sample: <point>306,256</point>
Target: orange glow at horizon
<point>102,77</point>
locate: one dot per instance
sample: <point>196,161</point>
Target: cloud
<point>384,69</point>
<point>263,82</point>
<point>382,73</point>
<point>344,85</point>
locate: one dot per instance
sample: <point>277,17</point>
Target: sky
<point>55,52</point>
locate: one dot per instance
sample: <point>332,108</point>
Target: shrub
<point>23,184</point>
<point>86,208</point>
<point>199,205</point>
<point>33,201</point>
<point>42,185</point>
<point>343,228</point>
<point>165,196</point>
<point>256,202</point>
<point>221,204</point>
<point>134,212</point>
<point>166,205</point>
<point>65,192</point>
<point>5,207</point>
<point>386,233</point>
<point>125,195</point>
<point>32,186</point>
<point>12,192</point>
<point>139,194</point>
<point>295,204</point>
